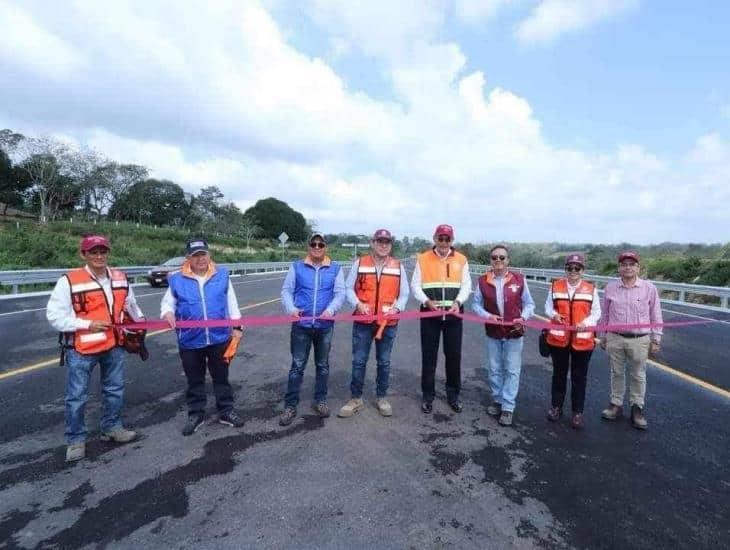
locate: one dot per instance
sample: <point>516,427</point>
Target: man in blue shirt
<point>314,287</point>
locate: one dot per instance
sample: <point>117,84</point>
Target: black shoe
<point>427,407</point>
<point>194,422</point>
<point>230,419</point>
<point>456,406</point>
<point>288,416</point>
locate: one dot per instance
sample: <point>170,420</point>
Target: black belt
<point>630,334</point>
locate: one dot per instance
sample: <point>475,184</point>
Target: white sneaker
<point>75,451</point>
<point>119,435</point>
<point>351,407</point>
<point>384,407</point>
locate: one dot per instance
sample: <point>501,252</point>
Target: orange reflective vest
<point>441,277</point>
<point>573,311</point>
<point>90,302</point>
<point>378,291</point>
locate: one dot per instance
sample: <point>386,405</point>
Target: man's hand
<point>654,348</point>
<point>580,326</point>
<point>430,304</point>
<point>296,313</point>
<point>392,311</point>
<point>237,333</point>
<point>455,307</point>
<point>518,323</point>
<point>558,318</point>
<point>363,309</point>
<point>99,326</point>
<point>170,318</point>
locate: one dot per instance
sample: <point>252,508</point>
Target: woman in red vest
<point>571,302</point>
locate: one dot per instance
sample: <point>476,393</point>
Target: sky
<point>600,121</point>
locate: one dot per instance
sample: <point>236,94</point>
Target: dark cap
<point>93,241</point>
<point>576,258</point>
<point>196,245</point>
<point>444,229</point>
<point>628,255</point>
<point>382,234</point>
<point>317,235</point>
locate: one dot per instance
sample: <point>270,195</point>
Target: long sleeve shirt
<point>477,304</point>
<point>589,321</point>
<point>290,283</point>
<point>400,303</point>
<point>60,312</point>
<point>169,302</point>
<point>628,305</point>
<point>461,297</point>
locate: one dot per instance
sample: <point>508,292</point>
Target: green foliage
<point>274,216</point>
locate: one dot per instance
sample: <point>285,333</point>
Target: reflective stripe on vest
<point>441,277</point>
<point>90,303</point>
<point>379,293</point>
<point>573,311</point>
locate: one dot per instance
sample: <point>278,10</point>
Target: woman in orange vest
<point>571,302</point>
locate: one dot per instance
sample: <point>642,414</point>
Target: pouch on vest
<point>132,340</point>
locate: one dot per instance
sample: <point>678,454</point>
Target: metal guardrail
<point>672,293</point>
<point>49,276</point>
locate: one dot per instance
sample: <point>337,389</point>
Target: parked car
<point>157,276</point>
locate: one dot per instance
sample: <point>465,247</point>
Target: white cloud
<point>215,95</point>
<point>552,18</point>
<point>478,10</point>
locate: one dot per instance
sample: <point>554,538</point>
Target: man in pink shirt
<point>630,301</point>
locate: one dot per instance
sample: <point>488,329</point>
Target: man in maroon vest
<point>502,295</point>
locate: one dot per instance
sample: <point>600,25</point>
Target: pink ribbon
<point>260,321</point>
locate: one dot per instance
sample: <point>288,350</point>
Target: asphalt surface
<point>409,481</point>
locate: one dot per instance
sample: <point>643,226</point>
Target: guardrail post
<point>723,302</point>
<point>682,296</point>
<point>15,289</point>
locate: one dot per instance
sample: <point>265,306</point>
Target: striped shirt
<point>629,305</point>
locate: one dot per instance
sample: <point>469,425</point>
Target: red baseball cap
<point>576,258</point>
<point>628,255</point>
<point>444,229</point>
<point>92,241</point>
<point>382,234</point>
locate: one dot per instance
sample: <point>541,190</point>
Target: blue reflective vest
<point>314,290</point>
<point>194,304</point>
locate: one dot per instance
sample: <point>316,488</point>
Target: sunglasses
<point>317,245</point>
<point>443,239</point>
<point>495,258</point>
<point>573,268</point>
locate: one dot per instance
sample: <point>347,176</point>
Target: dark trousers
<point>194,363</point>
<point>577,361</point>
<point>431,330</point>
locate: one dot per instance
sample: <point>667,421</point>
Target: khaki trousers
<point>634,352</point>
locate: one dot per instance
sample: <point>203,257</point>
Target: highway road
<point>409,481</point>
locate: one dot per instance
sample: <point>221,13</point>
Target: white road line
<point>22,311</point>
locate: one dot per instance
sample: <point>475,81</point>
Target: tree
<point>12,184</point>
<point>248,229</point>
<point>275,216</point>
<point>152,201</point>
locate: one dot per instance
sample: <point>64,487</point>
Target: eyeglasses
<point>500,258</point>
<point>317,245</point>
<point>443,239</point>
<point>97,252</point>
<point>573,268</point>
<point>383,241</point>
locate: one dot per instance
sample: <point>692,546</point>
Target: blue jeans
<point>301,341</point>
<point>362,338</point>
<point>504,363</point>
<point>78,368</point>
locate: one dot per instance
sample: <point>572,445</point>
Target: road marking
<point>49,362</point>
<point>683,375</point>
<point>22,311</point>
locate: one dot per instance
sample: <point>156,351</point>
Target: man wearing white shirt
<point>84,306</point>
<point>202,290</point>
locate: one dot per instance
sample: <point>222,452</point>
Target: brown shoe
<point>612,412</point>
<point>577,422</point>
<point>638,420</point>
<point>554,414</point>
